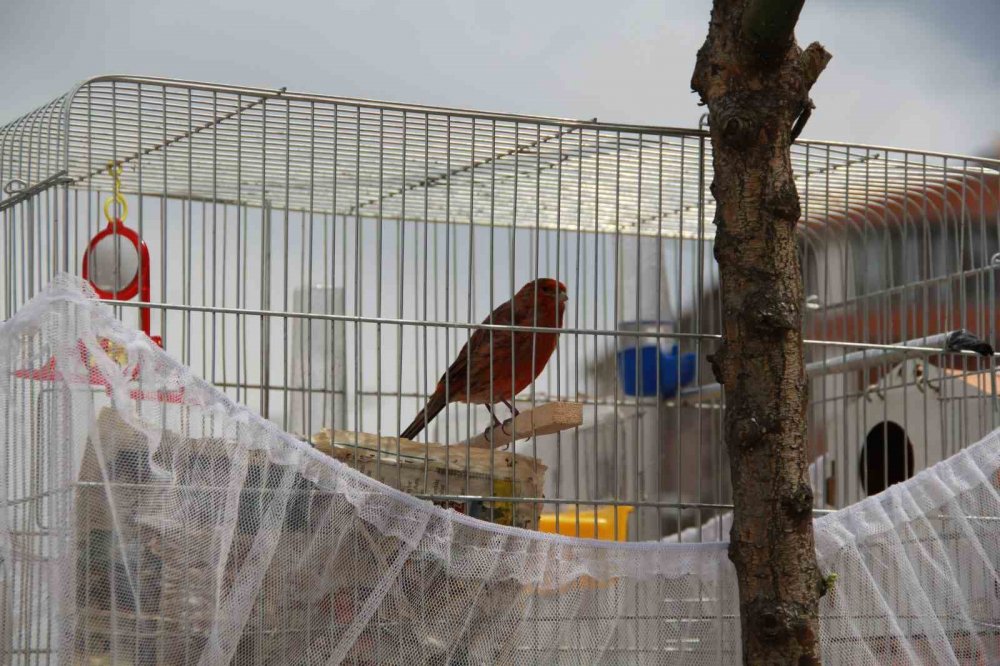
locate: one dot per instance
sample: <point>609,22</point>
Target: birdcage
<point>323,260</point>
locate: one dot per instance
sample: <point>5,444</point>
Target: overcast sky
<point>919,74</point>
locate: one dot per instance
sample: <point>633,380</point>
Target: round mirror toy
<point>116,261</point>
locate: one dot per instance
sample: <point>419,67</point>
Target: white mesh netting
<point>146,518</point>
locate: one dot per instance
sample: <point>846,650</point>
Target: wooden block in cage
<point>436,469</point>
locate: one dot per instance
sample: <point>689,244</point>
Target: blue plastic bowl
<point>637,370</point>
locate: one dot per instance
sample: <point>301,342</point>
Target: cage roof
<point>272,147</point>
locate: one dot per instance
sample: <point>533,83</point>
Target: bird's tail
<point>426,415</point>
<point>962,340</point>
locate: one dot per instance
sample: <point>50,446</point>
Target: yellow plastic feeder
<point>589,524</point>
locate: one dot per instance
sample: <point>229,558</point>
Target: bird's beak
<point>563,297</point>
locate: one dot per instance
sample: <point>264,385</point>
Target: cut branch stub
<point>813,61</point>
<point>771,312</point>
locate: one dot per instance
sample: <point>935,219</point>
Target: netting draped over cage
<point>146,518</point>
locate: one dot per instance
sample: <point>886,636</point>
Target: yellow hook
<point>115,170</point>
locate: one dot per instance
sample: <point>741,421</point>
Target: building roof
<point>923,198</point>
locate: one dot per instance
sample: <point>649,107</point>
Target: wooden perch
<point>543,420</point>
<point>361,450</point>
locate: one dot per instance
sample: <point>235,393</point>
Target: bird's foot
<point>493,416</point>
<point>505,427</point>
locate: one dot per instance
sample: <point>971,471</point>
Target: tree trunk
<point>755,81</point>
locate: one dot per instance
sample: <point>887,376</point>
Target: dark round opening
<point>886,458</point>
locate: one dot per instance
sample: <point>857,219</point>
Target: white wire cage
<point>323,259</point>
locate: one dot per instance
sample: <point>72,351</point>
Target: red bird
<point>468,377</point>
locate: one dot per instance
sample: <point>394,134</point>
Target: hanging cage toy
<point>116,261</point>
<point>116,266</point>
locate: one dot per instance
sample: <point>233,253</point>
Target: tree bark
<point>755,81</point>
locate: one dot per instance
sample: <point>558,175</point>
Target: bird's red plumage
<point>518,357</point>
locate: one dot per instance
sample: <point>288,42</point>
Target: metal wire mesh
<point>323,259</point>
